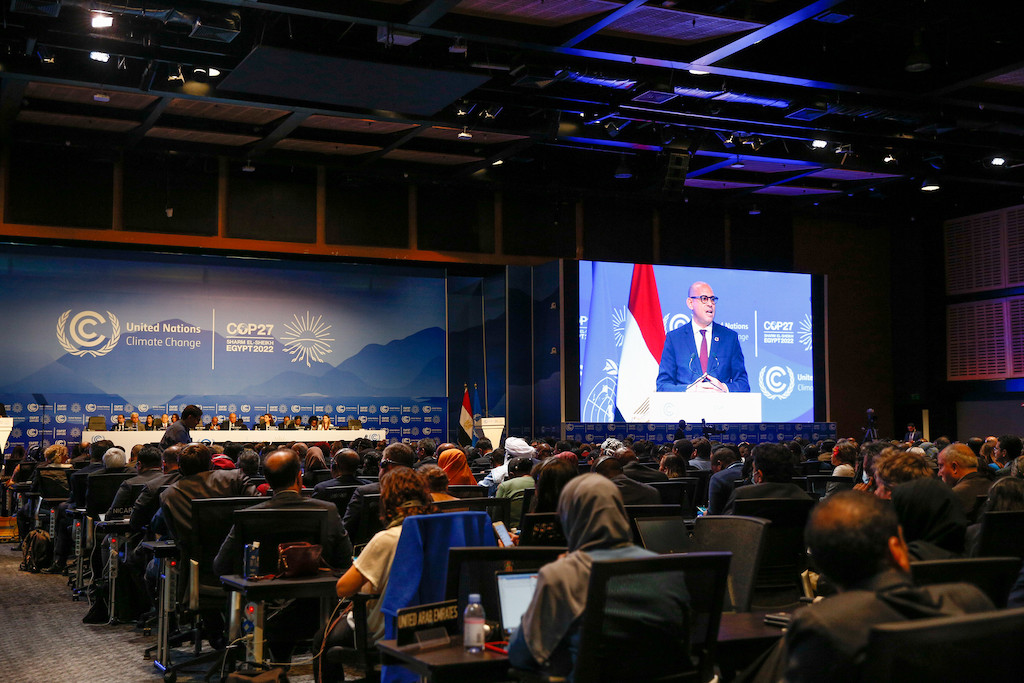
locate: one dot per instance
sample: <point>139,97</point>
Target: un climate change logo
<point>776,381</point>
<point>79,337</point>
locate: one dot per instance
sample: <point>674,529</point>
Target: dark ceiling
<point>564,93</point>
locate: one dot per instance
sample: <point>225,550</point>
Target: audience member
<point>314,462</point>
<point>425,453</point>
<point>453,462</point>
<point>634,470</point>
<point>178,431</point>
<point>631,491</point>
<point>515,485</point>
<point>855,540</point>
<point>343,468</point>
<point>1005,495</point>
<point>702,454</point>
<point>395,455</point>
<point>595,524</point>
<point>437,483</point>
<point>727,469</point>
<point>772,476</point>
<point>894,467</point>
<point>934,524</point>
<point>958,467</point>
<point>672,466</point>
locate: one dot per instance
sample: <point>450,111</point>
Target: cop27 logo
<point>776,381</point>
<point>79,336</point>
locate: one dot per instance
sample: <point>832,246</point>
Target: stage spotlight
<point>819,144</point>
<point>623,171</point>
<point>465,134</point>
<point>102,19</point>
<point>175,74</point>
<point>492,112</point>
<point>930,185</point>
<point>248,168</point>
<point>889,159</point>
<point>99,57</point>
<point>101,97</point>
<point>213,72</point>
<point>754,211</point>
<point>997,161</point>
<point>918,60</point>
<point>737,163</point>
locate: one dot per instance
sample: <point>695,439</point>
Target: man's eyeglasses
<point>705,299</point>
<point>387,463</point>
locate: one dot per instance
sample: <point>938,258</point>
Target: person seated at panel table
<point>313,422</point>
<point>163,423</point>
<point>702,355</point>
<point>403,493</point>
<point>297,423</point>
<point>214,423</point>
<point>595,524</point>
<point>232,423</point>
<point>286,422</point>
<point>325,423</point>
<point>119,425</point>
<point>264,422</point>
<point>150,424</point>
<point>134,424</point>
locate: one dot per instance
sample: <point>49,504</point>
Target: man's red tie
<point>703,351</point>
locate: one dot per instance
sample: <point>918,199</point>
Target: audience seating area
<point>750,561</point>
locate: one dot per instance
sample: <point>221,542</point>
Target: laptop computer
<point>515,592</point>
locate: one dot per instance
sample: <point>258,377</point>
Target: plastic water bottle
<point>252,560</point>
<point>473,625</point>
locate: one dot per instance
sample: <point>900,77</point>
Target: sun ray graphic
<point>306,339</point>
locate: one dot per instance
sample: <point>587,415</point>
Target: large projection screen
<point>621,347</point>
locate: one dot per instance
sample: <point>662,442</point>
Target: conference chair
<point>1001,534</point>
<point>994,576</point>
<point>339,495</point>
<point>703,478</point>
<point>200,597</point>
<point>528,495</point>
<point>679,491</point>
<point>629,610</point>
<point>421,559</point>
<point>971,647</point>
<point>542,528</point>
<point>663,535</point>
<point>635,511</point>
<point>369,520</point>
<point>745,538</point>
<point>472,570</point>
<point>467,491</point>
<point>100,490</point>
<point>497,508</point>
<point>784,556</point>
<point>821,485</point>
<point>97,423</point>
<point>273,526</point>
<point>314,477</point>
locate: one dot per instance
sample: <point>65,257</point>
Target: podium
<point>672,406</point>
<point>6,425</point>
<point>493,427</point>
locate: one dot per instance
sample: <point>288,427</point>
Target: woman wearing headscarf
<point>314,461</point>
<point>932,519</point>
<point>453,462</point>
<point>592,514</point>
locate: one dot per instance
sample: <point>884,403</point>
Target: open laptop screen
<point>515,591</point>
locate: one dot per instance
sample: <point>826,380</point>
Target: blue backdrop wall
<point>96,332</point>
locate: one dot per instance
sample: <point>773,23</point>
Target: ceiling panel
<point>430,157</point>
<point>794,191</point>
<point>684,28</point>
<point>321,147</point>
<point>479,137</point>
<point>224,112</point>
<point>706,184</point>
<point>201,136</point>
<point>77,95</point>
<point>547,13</point>
<point>351,125</point>
<point>850,174</point>
<point>46,118</point>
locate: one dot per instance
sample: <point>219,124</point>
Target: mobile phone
<point>504,537</point>
<point>778,619</point>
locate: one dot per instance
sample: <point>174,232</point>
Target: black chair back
<point>745,538</point>
<point>663,535</point>
<point>1001,535</point>
<point>78,486</point>
<point>211,521</point>
<point>25,469</point>
<point>635,511</point>
<point>339,495</point>
<point>946,649</point>
<point>638,606</point>
<point>313,477</point>
<point>818,485</point>
<point>528,495</point>
<point>680,491</point>
<point>9,466</point>
<point>994,576</point>
<point>496,508</point>
<point>54,482</point>
<point>272,527</point>
<point>100,491</point>
<point>785,554</point>
<point>703,478</point>
<point>126,511</point>
<point>542,528</point>
<point>369,519</point>
<point>467,491</point>
<point>472,570</point>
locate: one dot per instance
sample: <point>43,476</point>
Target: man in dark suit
<point>912,435</point>
<point>343,469</point>
<point>148,502</point>
<point>632,491</point>
<point>148,468</point>
<point>283,471</point>
<point>856,541</point>
<point>395,455</point>
<point>727,469</point>
<point>199,481</point>
<point>232,423</point>
<point>702,349</point>
<point>632,468</point>
<point>772,476</point>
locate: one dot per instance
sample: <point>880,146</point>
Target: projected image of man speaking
<point>702,355</point>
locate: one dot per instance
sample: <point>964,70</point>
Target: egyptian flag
<point>641,347</point>
<point>466,420</point>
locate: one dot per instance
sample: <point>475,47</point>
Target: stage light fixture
<point>497,162</point>
<point>889,159</point>
<point>918,60</point>
<point>99,57</point>
<point>623,171</point>
<point>698,72</point>
<point>819,144</point>
<point>464,108</point>
<point>248,168</point>
<point>737,163</point>
<point>492,111</point>
<point>615,127</point>
<point>754,211</point>
<point>458,47</point>
<point>930,185</point>
<point>213,72</point>
<point>465,134</point>
<point>997,161</point>
<point>175,75</point>
<point>101,97</point>
<point>102,19</point>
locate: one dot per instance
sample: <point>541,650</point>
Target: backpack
<point>38,551</point>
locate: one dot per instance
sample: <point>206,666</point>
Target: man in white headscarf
<point>595,524</point>
<point>514,448</point>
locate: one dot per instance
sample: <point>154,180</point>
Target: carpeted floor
<point>44,639</point>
